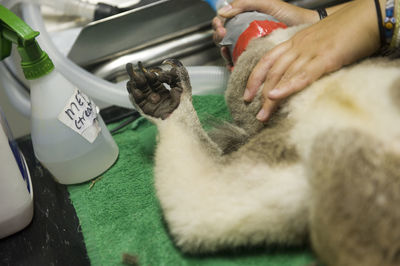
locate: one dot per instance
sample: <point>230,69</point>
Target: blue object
<point>212,3</point>
<point>14,148</point>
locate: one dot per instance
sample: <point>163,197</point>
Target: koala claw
<point>148,92</point>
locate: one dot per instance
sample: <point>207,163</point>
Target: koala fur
<point>325,168</point>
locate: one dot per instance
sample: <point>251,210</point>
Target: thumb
<point>229,11</point>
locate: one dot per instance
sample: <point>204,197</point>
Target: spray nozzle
<point>35,62</point>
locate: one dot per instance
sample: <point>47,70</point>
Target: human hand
<point>319,49</point>
<point>282,11</point>
<point>218,35</point>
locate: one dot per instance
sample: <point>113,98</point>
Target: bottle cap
<point>35,62</point>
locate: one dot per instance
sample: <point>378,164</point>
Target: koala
<point>324,169</point>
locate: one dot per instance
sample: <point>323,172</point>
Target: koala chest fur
<point>326,167</point>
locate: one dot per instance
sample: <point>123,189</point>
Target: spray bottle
<point>16,194</point>
<point>69,137</point>
<point>244,27</point>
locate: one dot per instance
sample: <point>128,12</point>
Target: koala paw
<point>147,89</point>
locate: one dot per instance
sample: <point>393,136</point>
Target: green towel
<point>120,213</point>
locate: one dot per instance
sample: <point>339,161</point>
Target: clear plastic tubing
<point>94,86</point>
<point>18,97</point>
<point>69,7</point>
<point>204,79</point>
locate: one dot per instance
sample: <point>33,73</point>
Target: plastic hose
<point>84,80</point>
<point>212,79</point>
<point>69,7</point>
<point>204,79</point>
<point>18,97</point>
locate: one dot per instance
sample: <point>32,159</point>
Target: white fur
<point>210,204</point>
<point>357,97</point>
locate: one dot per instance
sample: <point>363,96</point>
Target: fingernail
<point>262,115</point>
<point>224,9</point>
<point>273,93</point>
<point>221,32</point>
<point>246,95</point>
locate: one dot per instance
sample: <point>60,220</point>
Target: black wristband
<point>322,13</point>
<point>380,24</point>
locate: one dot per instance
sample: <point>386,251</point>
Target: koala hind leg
<point>213,201</point>
<point>355,195</point>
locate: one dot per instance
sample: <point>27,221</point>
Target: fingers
<point>300,76</point>
<point>290,75</point>
<point>218,35</point>
<point>283,71</point>
<point>227,57</point>
<point>267,109</point>
<point>293,74</point>
<point>239,6</point>
<point>295,84</point>
<point>231,10</point>
<point>274,76</point>
<point>301,73</point>
<point>261,71</point>
<point>219,30</point>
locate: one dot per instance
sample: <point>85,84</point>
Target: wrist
<point>372,18</point>
<point>297,15</point>
<point>390,25</point>
<point>311,16</point>
<point>321,13</point>
<point>380,14</point>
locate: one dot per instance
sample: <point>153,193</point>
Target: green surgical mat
<point>121,214</point>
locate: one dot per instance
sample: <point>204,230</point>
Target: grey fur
<point>395,92</point>
<point>271,145</point>
<point>244,114</point>
<point>228,136</point>
<point>353,218</point>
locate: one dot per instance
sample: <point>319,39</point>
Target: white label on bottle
<point>80,114</point>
